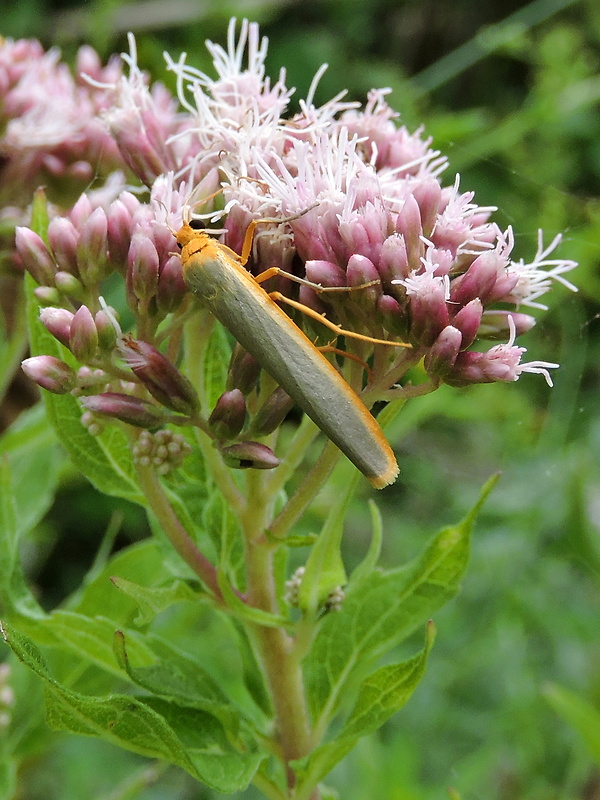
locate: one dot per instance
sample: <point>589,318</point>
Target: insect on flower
<point>216,276</point>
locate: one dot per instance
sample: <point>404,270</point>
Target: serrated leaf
<point>386,690</point>
<point>188,738</point>
<point>15,597</point>
<point>382,611</point>
<point>178,678</point>
<point>91,639</point>
<point>380,696</point>
<point>578,713</point>
<point>105,460</point>
<point>153,600</point>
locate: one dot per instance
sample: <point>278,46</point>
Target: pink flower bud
<point>243,372</point>
<point>119,231</point>
<point>444,352</point>
<point>107,335</point>
<point>69,286</point>
<point>408,223</point>
<point>228,416</point>
<point>478,281</point>
<point>142,267</point>
<point>162,379</point>
<point>495,324</point>
<point>50,373</point>
<point>428,307</point>
<point>171,286</point>
<point>125,408</point>
<point>92,256</point>
<point>63,237</point>
<point>467,320</point>
<point>272,413</point>
<point>325,273</point>
<point>249,455</point>
<point>58,322</point>
<point>428,194</point>
<point>360,271</point>
<point>47,295</point>
<point>393,260</point>
<point>394,318</point>
<point>83,339</point>
<point>81,211</point>
<point>35,256</point>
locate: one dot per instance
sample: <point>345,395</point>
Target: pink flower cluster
<point>52,130</point>
<point>388,250</point>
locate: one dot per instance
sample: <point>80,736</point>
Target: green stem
<point>273,646</point>
<point>174,530</point>
<point>306,491</point>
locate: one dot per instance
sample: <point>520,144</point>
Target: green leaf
<point>324,570</point>
<point>91,639</point>
<point>380,696</point>
<point>369,562</point>
<point>225,532</point>
<point>578,713</point>
<point>15,597</point>
<point>188,738</point>
<point>386,690</point>
<point>216,358</point>
<point>36,460</point>
<point>179,679</point>
<point>151,600</point>
<point>105,460</point>
<point>382,611</point>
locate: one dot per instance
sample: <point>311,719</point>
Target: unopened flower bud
<point>444,352</point>
<point>408,223</point>
<point>119,229</point>
<point>107,335</point>
<point>360,271</point>
<point>171,286</point>
<point>58,322</point>
<point>69,286</point>
<point>495,324</point>
<point>162,379</point>
<point>249,455</point>
<point>125,408</point>
<point>92,255</point>
<point>83,338</point>
<point>81,211</point>
<point>35,256</point>
<point>478,280</point>
<point>392,314</point>
<point>243,372</point>
<point>142,267</point>
<point>467,320</point>
<point>228,416</point>
<point>47,295</point>
<point>63,237</point>
<point>50,373</point>
<point>428,194</point>
<point>325,273</point>
<point>393,260</point>
<point>272,413</point>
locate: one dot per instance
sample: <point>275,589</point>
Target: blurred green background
<point>509,91</point>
